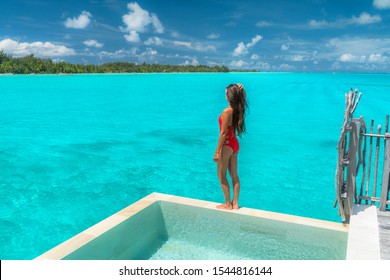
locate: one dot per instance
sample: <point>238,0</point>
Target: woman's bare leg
<point>222,166</point>
<point>233,162</point>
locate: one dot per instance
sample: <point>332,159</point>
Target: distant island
<point>33,65</point>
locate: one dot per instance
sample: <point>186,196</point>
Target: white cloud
<point>212,63</point>
<point>347,57</point>
<point>376,58</point>
<point>44,49</point>
<point>238,63</point>
<point>196,46</point>
<point>213,36</point>
<point>154,41</point>
<point>81,22</point>
<point>381,4</point>
<point>357,52</point>
<point>242,48</point>
<point>159,28</point>
<point>318,23</point>
<point>138,21</point>
<point>255,57</point>
<point>93,43</point>
<point>255,40</point>
<point>363,19</point>
<point>175,34</point>
<point>285,47</point>
<point>263,24</point>
<point>298,57</point>
<point>336,66</point>
<point>149,52</point>
<point>200,47</point>
<point>263,66</point>
<point>285,67</point>
<point>358,45</point>
<point>132,37</point>
<point>119,54</point>
<point>183,44</point>
<point>193,62</point>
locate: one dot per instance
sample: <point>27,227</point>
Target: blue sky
<point>277,35</point>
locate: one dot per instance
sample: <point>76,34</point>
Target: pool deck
<point>369,234</point>
<point>93,232</point>
<point>363,236</point>
<point>384,234</point>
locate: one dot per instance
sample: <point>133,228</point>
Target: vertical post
<point>378,143</point>
<point>385,175</point>
<point>369,160</point>
<point>363,159</point>
<point>386,170</point>
<point>351,172</point>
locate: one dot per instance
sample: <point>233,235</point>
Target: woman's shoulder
<point>227,114</point>
<point>228,110</point>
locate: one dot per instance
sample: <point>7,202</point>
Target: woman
<point>231,123</point>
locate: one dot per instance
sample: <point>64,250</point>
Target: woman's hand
<point>216,156</point>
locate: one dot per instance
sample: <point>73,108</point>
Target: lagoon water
<point>76,149</point>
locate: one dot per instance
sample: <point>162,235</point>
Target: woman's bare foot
<point>225,206</point>
<point>235,206</point>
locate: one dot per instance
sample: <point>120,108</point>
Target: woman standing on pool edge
<point>231,122</point>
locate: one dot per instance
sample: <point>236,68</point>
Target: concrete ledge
<point>363,237</point>
<point>74,243</point>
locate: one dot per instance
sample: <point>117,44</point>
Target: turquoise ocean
<point>76,149</point>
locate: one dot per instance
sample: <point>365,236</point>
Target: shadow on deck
<point>384,234</point>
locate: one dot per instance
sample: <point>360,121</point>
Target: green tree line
<point>34,65</point>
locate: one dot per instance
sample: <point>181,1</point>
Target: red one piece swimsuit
<point>230,139</point>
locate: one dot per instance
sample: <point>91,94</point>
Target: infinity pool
<point>176,228</point>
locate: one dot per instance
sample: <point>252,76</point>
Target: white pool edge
<point>363,236</point>
<point>79,240</point>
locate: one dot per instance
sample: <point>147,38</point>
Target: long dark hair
<point>236,96</point>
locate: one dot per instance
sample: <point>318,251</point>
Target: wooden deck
<point>384,234</point>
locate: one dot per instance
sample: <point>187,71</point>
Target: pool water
<point>196,233</point>
<point>172,231</point>
<point>76,149</point>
